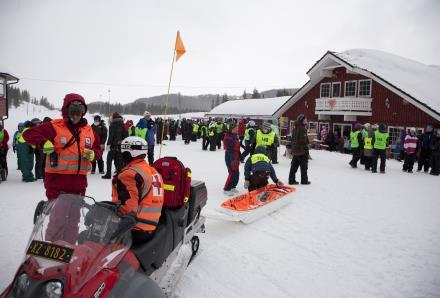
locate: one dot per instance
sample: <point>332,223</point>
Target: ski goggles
<point>75,108</point>
<point>134,147</point>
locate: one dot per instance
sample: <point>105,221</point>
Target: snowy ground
<point>350,233</point>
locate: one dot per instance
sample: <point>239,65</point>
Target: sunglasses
<point>75,108</point>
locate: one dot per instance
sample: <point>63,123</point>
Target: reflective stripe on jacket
<point>141,132</point>
<point>368,143</point>
<point>196,128</point>
<point>380,140</point>
<point>70,160</point>
<point>20,138</point>
<point>354,139</point>
<point>265,139</point>
<point>247,136</point>
<point>144,198</point>
<point>259,157</point>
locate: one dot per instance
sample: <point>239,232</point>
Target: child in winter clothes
<point>232,159</point>
<point>435,154</point>
<point>410,146</point>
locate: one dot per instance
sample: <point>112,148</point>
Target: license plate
<point>50,251</point>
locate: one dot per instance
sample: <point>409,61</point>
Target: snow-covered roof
<point>261,108</point>
<point>416,79</point>
<point>412,80</point>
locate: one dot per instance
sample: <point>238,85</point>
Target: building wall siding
<point>399,113</point>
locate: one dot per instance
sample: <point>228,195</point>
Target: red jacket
<point>241,127</point>
<point>4,142</point>
<point>56,183</point>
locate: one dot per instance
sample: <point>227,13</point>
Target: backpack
<point>177,181</point>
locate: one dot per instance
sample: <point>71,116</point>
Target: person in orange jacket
<point>70,146</point>
<point>138,189</point>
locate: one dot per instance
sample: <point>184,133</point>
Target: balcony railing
<point>343,105</point>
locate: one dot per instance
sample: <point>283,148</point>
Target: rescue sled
<point>253,205</point>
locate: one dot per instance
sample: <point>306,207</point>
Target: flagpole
<point>166,101</point>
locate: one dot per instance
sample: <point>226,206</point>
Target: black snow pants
<point>379,153</point>
<point>212,143</point>
<point>356,156</point>
<point>116,156</point>
<point>205,143</point>
<point>424,160</point>
<point>435,163</point>
<point>301,162</point>
<point>409,162</point>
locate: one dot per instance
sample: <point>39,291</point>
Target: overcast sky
<point>232,45</point>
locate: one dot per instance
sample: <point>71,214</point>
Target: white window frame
<point>359,89</point>
<point>2,87</point>
<point>341,133</point>
<point>329,91</point>
<point>419,131</point>
<point>355,88</point>
<point>291,125</point>
<point>389,135</point>
<point>336,83</point>
<point>314,122</point>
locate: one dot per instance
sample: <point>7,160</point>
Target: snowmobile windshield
<point>77,237</point>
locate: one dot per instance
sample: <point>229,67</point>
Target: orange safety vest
<point>70,160</point>
<point>150,201</point>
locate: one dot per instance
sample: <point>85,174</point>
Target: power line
<point>141,85</point>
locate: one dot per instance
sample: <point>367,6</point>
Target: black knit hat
<point>300,118</point>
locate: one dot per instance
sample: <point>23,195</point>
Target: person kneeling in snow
<point>257,170</point>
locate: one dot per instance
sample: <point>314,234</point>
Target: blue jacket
<point>261,166</point>
<point>151,130</point>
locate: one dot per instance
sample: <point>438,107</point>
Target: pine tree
<point>256,94</point>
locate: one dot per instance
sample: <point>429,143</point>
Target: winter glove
<point>48,147</point>
<point>246,184</point>
<point>88,154</point>
<point>279,183</point>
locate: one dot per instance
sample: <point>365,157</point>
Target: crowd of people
<point>243,140</point>
<point>370,143</point>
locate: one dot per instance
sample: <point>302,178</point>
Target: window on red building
<point>325,89</point>
<point>365,88</point>
<point>336,89</point>
<point>350,88</point>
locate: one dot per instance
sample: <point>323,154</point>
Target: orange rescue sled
<point>253,205</point>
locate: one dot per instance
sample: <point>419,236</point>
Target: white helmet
<point>134,145</point>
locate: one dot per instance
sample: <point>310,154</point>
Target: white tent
<point>260,108</point>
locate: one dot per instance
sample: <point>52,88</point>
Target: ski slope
<point>350,233</point>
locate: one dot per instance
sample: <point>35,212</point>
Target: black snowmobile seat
<point>169,233</point>
<point>154,252</point>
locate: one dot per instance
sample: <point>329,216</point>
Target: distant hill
<point>177,103</point>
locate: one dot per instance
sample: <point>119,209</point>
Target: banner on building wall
<point>284,122</point>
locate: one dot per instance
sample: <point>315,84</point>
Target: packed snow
<point>412,77</point>
<point>350,233</point>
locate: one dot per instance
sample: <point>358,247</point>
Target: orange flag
<point>179,47</point>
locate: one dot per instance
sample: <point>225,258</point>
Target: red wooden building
<point>367,86</point>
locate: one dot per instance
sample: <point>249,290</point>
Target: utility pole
<point>108,102</point>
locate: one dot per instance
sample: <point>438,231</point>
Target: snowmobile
<point>92,255</point>
<point>253,205</point>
